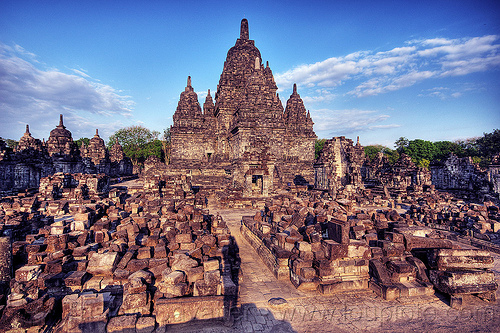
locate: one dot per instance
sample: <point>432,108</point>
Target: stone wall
<point>494,178</point>
<point>459,174</point>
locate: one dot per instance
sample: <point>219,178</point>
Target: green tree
<point>488,146</point>
<point>424,163</point>
<point>137,142</point>
<point>401,144</point>
<point>391,154</point>
<point>11,143</point>
<point>419,150</point>
<point>82,141</point>
<point>468,147</point>
<point>372,151</point>
<point>152,148</point>
<point>445,148</point>
<point>318,146</point>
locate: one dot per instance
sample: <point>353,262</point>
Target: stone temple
<point>32,160</point>
<point>367,245</point>
<point>245,139</point>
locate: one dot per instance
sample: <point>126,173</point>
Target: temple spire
<point>294,89</point>
<point>96,132</point>
<point>188,86</point>
<point>244,29</point>
<point>27,129</point>
<point>61,120</point>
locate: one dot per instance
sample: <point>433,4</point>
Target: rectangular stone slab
<point>338,231</point>
<point>463,282</point>
<point>449,259</point>
<point>182,310</point>
<point>416,242</point>
<point>102,263</point>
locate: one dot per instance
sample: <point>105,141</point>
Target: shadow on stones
<point>237,318</point>
<point>244,318</point>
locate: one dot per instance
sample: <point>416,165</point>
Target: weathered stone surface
<point>181,262</point>
<point>463,282</point>
<point>338,165</point>
<point>174,277</point>
<point>136,303</point>
<point>102,263</point>
<point>416,242</point>
<point>338,231</point>
<point>6,263</point>
<point>334,250</point>
<point>122,324</point>
<point>211,265</point>
<point>145,325</point>
<point>247,125</point>
<point>181,310</point>
<point>461,259</point>
<point>28,273</point>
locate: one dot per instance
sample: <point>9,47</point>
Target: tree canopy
<point>138,143</point>
<point>488,146</point>
<point>420,151</point>
<point>372,151</point>
<point>318,146</point>
<point>423,153</point>
<point>10,143</point>
<point>82,141</point>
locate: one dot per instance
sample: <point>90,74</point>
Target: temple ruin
<point>244,230</point>
<point>33,159</point>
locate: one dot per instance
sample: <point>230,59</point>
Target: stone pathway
<point>347,312</point>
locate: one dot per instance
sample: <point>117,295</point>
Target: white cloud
<point>322,96</point>
<point>81,73</point>
<point>83,127</point>
<point>382,72</point>
<point>328,123</point>
<point>436,41</point>
<point>24,87</point>
<point>202,96</point>
<point>37,96</point>
<point>446,93</point>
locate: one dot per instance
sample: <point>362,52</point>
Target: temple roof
<point>188,103</point>
<point>60,130</point>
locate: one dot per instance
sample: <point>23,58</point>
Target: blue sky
<point>375,69</point>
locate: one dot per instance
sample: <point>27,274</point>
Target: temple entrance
<point>257,184</point>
